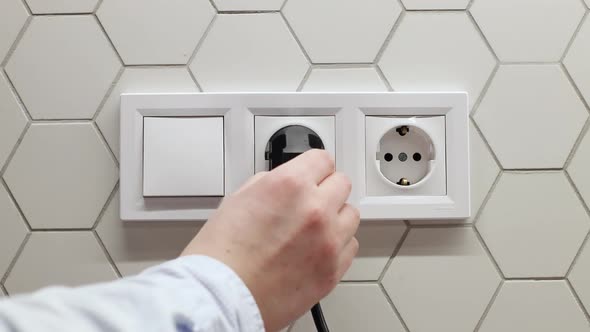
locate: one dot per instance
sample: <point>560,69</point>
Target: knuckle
<point>317,215</point>
<point>330,249</point>
<point>288,182</point>
<point>355,246</point>
<point>324,158</point>
<point>345,180</point>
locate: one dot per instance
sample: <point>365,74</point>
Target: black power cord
<point>279,152</point>
<point>318,318</point>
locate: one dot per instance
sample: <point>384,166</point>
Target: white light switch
<point>183,156</point>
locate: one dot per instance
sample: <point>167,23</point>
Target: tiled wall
<point>522,263</point>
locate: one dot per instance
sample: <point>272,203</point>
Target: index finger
<point>314,165</point>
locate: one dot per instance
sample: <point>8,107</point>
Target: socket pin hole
<point>388,157</point>
<point>403,130</point>
<point>403,157</point>
<point>417,156</point>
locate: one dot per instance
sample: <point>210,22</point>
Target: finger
<point>251,180</point>
<point>347,257</point>
<point>348,222</point>
<point>335,189</point>
<point>313,165</point>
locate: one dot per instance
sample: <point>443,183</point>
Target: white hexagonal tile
<point>576,59</point>
<point>434,51</point>
<point>12,120</point>
<point>249,52</point>
<point>59,258</point>
<point>344,79</point>
<point>155,32</point>
<point>140,80</point>
<point>580,275</point>
<point>352,308</point>
<point>533,224</point>
<point>137,246</point>
<point>540,306</point>
<point>579,166</point>
<point>61,175</point>
<point>528,30</point>
<point>63,67</point>
<point>441,279</point>
<point>484,171</point>
<point>378,240</point>
<point>62,6</point>
<point>435,4</point>
<point>251,5</point>
<point>333,31</point>
<point>13,230</point>
<point>13,16</point>
<point>531,116</point>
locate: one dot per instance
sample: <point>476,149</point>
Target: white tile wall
<point>524,63</point>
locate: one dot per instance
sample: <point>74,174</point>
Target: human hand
<point>288,233</point>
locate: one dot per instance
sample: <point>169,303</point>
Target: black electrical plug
<point>284,145</point>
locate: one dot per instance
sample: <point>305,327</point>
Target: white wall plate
<point>349,111</point>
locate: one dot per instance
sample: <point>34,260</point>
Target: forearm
<point>192,293</point>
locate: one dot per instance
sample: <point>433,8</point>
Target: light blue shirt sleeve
<point>188,294</point>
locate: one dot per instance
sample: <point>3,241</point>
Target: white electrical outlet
<point>407,154</point>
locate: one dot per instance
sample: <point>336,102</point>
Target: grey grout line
<point>438,10</point>
<point>200,43</point>
<point>4,167</point>
<point>56,14</point>
<point>587,209</point>
<point>3,290</point>
<point>486,198</point>
<point>479,30</point>
<point>484,89</point>
<point>574,36</point>
<point>201,40</point>
<point>16,204</point>
<point>108,92</point>
<point>194,79</point>
<point>576,146</point>
<point>108,37</point>
<point>294,35</point>
<point>237,12</point>
<point>106,205</point>
<point>585,243</point>
<point>577,298</point>
<point>283,5</point>
<point>389,300</point>
<point>383,78</point>
<point>486,142</point>
<point>16,94</point>
<point>107,254</point>
<point>469,5</point>
<point>62,121</point>
<point>156,65</point>
<point>389,37</point>
<point>529,170</point>
<point>575,86</point>
<point>536,279</point>
<point>14,260</point>
<point>489,306</point>
<point>212,2</point>
<point>304,79</point>
<point>61,230</point>
<point>480,238</point>
<point>396,250</point>
<point>27,7</point>
<point>18,38</point>
<point>98,4</point>
<point>342,65</point>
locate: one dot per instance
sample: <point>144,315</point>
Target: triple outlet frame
<point>349,111</point>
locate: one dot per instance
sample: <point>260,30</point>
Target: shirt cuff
<point>231,294</point>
